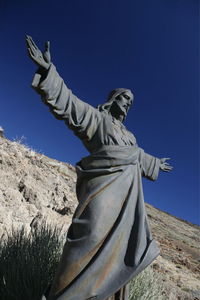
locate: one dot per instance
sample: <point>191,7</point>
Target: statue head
<point>118,103</point>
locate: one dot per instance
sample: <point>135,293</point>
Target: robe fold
<point>109,241</point>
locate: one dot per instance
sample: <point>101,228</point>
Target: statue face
<point>124,101</point>
<point>121,105</point>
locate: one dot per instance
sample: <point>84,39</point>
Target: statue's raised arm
<point>79,116</point>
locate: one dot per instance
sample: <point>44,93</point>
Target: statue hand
<point>164,166</point>
<point>43,60</point>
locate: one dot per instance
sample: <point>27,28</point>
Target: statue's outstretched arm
<point>79,116</point>
<point>150,165</point>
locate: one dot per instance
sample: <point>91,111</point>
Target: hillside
<point>34,187</point>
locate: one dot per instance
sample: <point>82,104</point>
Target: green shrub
<point>146,286</point>
<point>28,262</point>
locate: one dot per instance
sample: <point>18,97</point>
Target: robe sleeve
<point>149,165</point>
<point>79,116</point>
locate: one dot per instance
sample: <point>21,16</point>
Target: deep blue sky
<point>150,47</point>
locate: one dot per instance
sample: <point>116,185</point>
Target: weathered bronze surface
<point>109,241</point>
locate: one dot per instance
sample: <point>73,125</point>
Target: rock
<point>31,185</point>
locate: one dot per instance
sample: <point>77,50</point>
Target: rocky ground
<point>34,187</point>
<point>179,262</point>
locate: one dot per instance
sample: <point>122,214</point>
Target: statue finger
<point>31,55</point>
<point>32,42</point>
<point>28,42</point>
<point>30,45</point>
<point>34,52</point>
<point>168,165</point>
<point>169,168</point>
<point>28,39</point>
<point>166,158</point>
<point>47,46</point>
<point>166,168</point>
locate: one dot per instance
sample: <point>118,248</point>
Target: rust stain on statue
<point>112,259</point>
<point>62,281</point>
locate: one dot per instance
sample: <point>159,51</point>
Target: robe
<point>109,241</point>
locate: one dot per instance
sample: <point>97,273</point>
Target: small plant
<point>185,289</point>
<point>22,141</point>
<point>146,286</point>
<point>28,262</point>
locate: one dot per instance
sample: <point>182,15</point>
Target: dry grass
<point>147,286</point>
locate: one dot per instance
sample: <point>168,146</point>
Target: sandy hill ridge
<point>34,187</point>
